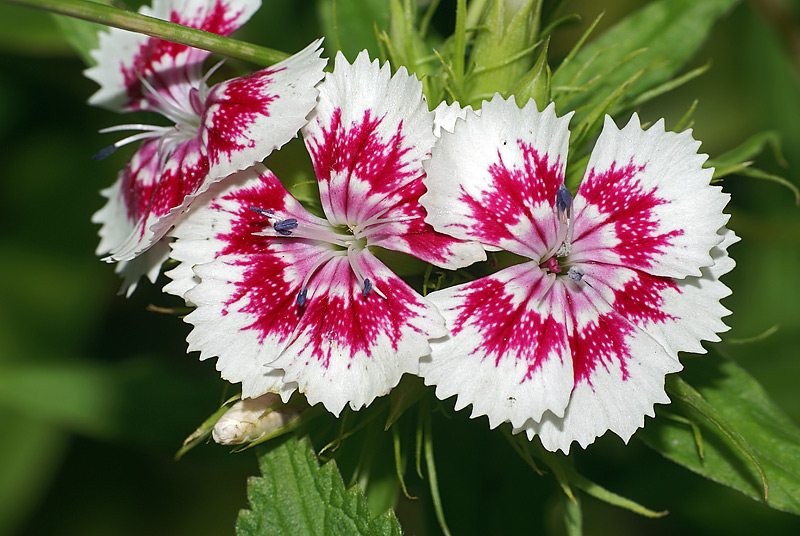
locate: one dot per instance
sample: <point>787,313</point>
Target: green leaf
<point>81,34</point>
<point>573,517</point>
<point>668,33</point>
<point>350,25</point>
<point>698,406</point>
<point>738,161</point>
<point>297,497</point>
<point>772,437</point>
<point>568,477</point>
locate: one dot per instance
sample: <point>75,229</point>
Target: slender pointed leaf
<point>772,436</point>
<point>670,31</point>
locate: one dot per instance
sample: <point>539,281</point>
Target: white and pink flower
<point>288,300</point>
<point>213,132</point>
<point>577,340</point>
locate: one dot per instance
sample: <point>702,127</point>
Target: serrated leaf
<point>297,497</point>
<point>669,32</point>
<point>772,436</point>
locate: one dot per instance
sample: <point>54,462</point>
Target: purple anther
<point>576,274</point>
<point>301,296</point>
<point>563,200</point>
<point>266,212</point>
<point>104,153</point>
<point>367,288</point>
<point>284,226</point>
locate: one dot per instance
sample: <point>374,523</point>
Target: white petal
<point>367,137</point>
<point>447,115</point>
<point>249,117</point>
<point>122,55</point>
<point>620,371</point>
<point>646,203</point>
<point>493,180</point>
<point>350,349</point>
<point>507,353</point>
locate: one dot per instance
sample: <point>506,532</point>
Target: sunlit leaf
<point>297,497</point>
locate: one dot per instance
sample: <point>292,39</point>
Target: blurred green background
<point>97,392</point>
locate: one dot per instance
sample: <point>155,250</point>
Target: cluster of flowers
<point>574,340</point>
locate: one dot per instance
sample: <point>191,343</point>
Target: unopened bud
<point>251,419</point>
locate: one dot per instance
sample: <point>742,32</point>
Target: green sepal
<point>296,496</point>
<point>203,432</point>
<point>536,84</point>
<point>502,50</point>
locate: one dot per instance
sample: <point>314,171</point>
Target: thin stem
<point>460,44</point>
<point>160,29</point>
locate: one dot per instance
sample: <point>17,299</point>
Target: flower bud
<point>251,419</point>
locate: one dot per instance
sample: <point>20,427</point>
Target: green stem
<point>170,31</point>
<point>460,44</point>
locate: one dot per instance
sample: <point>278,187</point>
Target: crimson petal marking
<point>619,375</point>
<point>508,164</point>
<point>632,208</point>
<point>370,165</point>
<point>247,118</point>
<point>412,235</point>
<point>129,199</point>
<point>246,297</point>
<point>677,313</point>
<point>352,349</point>
<point>171,68</point>
<point>367,138</point>
<point>507,354</point>
<point>160,202</point>
<point>221,223</point>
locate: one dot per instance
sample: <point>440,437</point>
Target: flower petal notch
<point>287,300</point>
<point>619,279</point>
<point>212,131</point>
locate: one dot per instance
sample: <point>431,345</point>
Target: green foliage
<point>739,161</point>
<point>500,54</point>
<point>762,431</point>
<point>297,497</point>
<point>30,452</point>
<point>351,25</point>
<point>640,53</point>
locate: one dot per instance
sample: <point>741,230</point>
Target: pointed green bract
<point>500,52</point>
<point>667,33</point>
<point>297,497</point>
<point>773,438</point>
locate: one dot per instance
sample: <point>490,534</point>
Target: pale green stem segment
<point>169,31</point>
